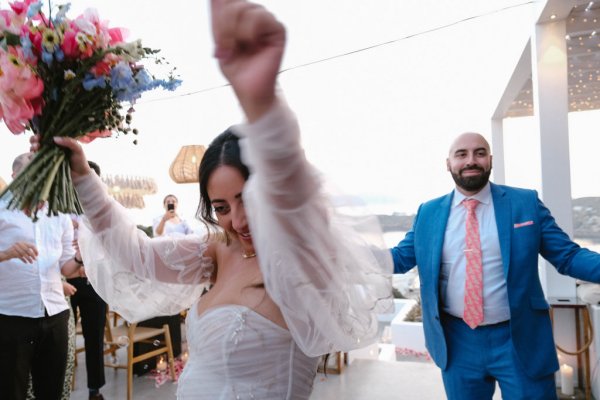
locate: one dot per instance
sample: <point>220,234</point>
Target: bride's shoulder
<point>218,245</point>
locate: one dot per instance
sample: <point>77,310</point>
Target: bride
<point>290,278</point>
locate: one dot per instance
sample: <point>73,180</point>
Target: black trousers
<point>92,311</point>
<point>36,345</point>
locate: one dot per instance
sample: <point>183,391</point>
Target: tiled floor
<point>363,379</point>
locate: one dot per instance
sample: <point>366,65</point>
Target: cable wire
<point>349,53</point>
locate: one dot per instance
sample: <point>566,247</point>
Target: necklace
<point>246,256</point>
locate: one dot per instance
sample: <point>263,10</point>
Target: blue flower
<point>63,9</point>
<point>128,85</point>
<point>59,54</point>
<point>121,77</point>
<point>124,85</point>
<point>143,79</point>
<point>34,9</point>
<point>26,45</point>
<point>171,84</point>
<point>90,82</point>
<point>47,57</point>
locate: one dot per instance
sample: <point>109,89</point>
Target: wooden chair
<point>114,339</point>
<point>108,337</point>
<point>334,363</point>
<point>110,315</point>
<point>107,334</point>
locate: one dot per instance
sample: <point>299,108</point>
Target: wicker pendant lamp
<point>184,168</point>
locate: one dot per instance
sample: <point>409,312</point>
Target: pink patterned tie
<point>473,313</point>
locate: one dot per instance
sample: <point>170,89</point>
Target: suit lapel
<point>438,230</point>
<point>502,210</point>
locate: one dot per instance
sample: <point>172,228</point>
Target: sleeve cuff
<point>91,190</point>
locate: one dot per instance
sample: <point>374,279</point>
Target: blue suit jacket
<point>520,245</point>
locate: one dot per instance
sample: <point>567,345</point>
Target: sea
<point>392,238</point>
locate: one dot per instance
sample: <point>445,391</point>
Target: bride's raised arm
<point>328,273</point>
<point>137,276</point>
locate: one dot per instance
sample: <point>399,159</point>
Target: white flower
<point>132,51</point>
<point>86,26</point>
<point>69,75</point>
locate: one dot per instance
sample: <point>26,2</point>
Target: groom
<point>484,313</point>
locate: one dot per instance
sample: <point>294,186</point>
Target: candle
<point>184,357</point>
<point>566,379</point>
<point>161,365</point>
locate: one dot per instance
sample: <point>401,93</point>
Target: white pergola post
<point>544,59</point>
<point>550,99</point>
<point>519,77</point>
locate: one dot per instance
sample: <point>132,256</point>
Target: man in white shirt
<point>33,311</point>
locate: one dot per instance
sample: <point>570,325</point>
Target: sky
<point>376,122</point>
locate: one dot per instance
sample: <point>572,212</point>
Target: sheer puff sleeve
<point>137,276</point>
<point>328,271</point>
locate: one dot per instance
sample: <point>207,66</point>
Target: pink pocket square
<point>522,224</point>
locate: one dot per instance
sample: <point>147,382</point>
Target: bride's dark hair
<point>223,150</point>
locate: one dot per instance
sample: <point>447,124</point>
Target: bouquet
<point>65,77</point>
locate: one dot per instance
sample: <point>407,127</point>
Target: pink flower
<point>11,22</point>
<point>94,135</point>
<point>38,105</point>
<point>69,44</point>
<point>35,36</point>
<point>102,68</point>
<point>20,7</point>
<point>6,16</point>
<point>117,35</point>
<point>20,90</point>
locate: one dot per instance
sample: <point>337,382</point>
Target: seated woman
<point>291,278</point>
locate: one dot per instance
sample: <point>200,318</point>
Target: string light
<point>584,74</point>
<point>368,48</point>
<point>521,106</point>
<point>589,6</point>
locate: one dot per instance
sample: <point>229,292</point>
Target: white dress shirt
<point>452,276</point>
<point>27,290</point>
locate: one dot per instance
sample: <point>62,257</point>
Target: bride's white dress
<point>328,272</point>
<point>235,353</point>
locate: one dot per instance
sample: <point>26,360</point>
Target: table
<point>587,336</point>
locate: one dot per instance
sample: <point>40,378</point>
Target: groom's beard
<point>471,183</point>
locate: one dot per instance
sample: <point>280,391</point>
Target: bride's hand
<point>77,160</point>
<point>249,44</point>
